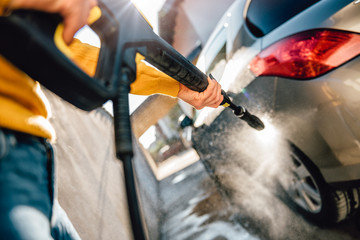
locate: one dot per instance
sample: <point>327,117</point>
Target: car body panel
<point>320,116</point>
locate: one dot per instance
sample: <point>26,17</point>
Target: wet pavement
<point>198,206</point>
<point>235,194</point>
<point>195,209</point>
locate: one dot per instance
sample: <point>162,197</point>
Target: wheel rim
<point>303,189</point>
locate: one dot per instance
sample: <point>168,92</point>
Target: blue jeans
<point>28,206</point>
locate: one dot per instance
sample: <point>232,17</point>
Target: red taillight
<point>307,54</point>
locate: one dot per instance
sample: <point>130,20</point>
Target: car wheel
<point>313,197</point>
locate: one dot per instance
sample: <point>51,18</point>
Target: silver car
<point>295,65</point>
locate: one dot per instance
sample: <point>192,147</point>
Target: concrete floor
<point>196,207</point>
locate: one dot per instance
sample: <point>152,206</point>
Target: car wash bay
<point>191,203</point>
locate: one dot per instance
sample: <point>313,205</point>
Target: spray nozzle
<point>252,120</point>
<point>241,112</point>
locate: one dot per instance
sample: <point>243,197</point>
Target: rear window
<point>263,16</point>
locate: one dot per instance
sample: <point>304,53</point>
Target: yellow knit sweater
<point>24,108</point>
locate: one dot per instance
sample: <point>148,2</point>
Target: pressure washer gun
<point>30,40</point>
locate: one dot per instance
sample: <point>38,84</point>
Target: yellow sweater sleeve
<point>148,79</point>
<point>3,5</point>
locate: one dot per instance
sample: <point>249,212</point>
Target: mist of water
<point>260,161</point>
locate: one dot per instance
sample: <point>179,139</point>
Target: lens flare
<point>246,94</point>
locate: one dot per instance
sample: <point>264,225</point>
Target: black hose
<point>134,210</point>
<point>124,150</point>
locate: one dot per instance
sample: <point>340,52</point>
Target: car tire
<point>313,197</point>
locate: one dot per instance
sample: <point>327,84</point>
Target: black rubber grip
<point>168,60</point>
<point>122,125</point>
